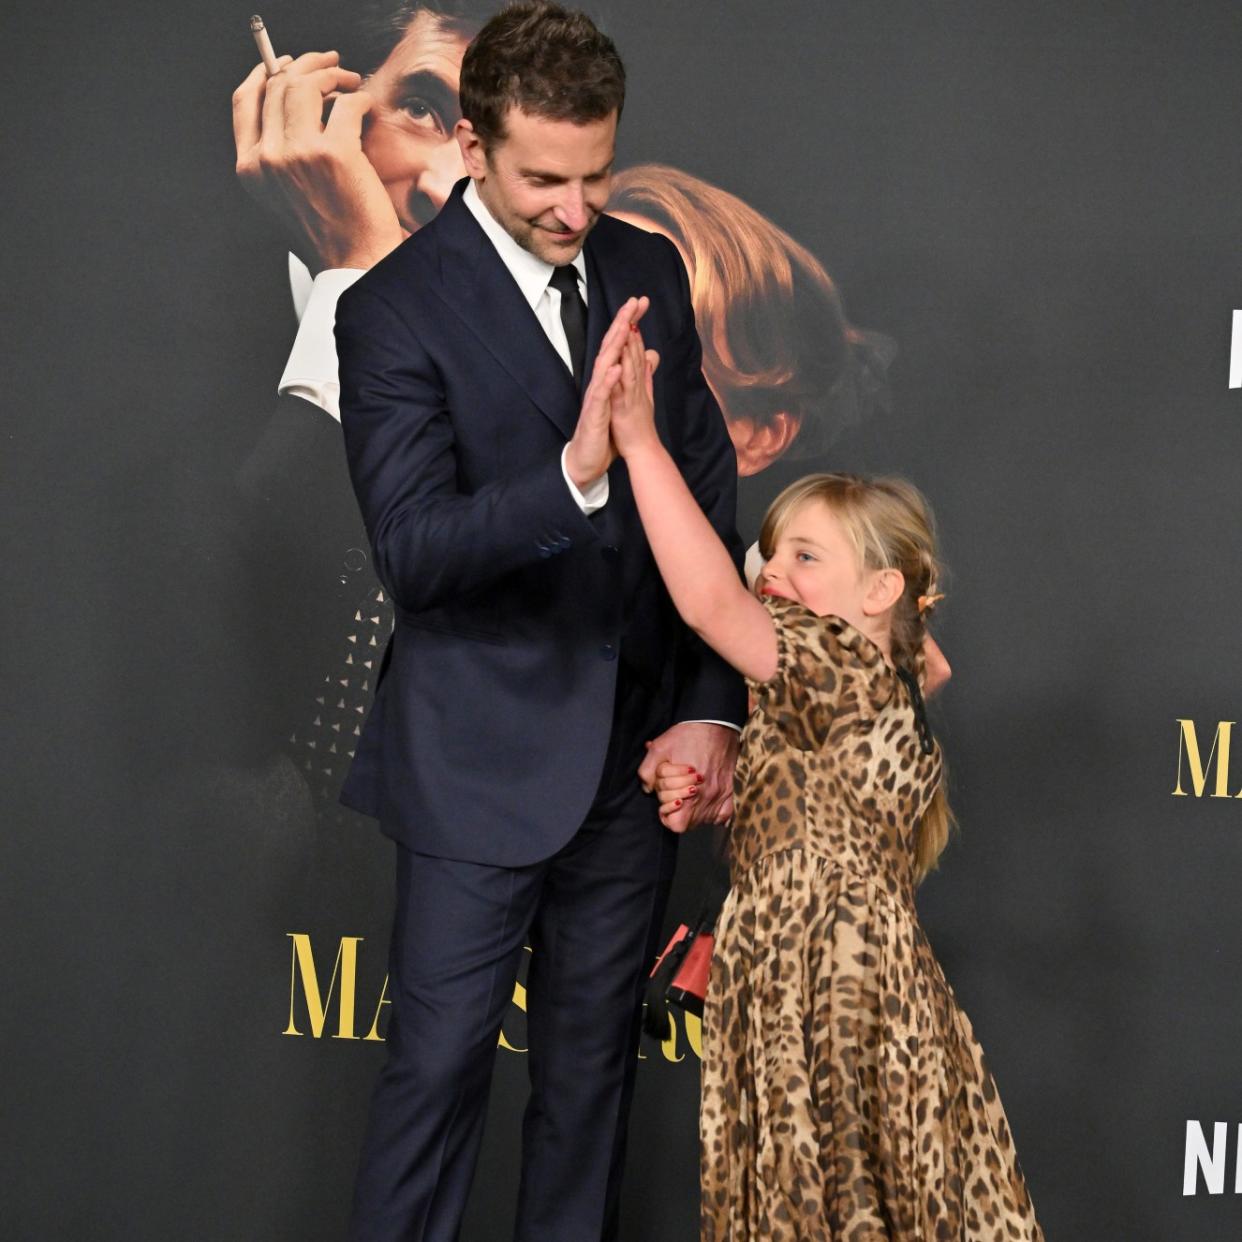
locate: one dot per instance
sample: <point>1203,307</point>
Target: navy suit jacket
<point>491,721</point>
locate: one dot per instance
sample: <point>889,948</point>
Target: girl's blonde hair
<point>891,526</point>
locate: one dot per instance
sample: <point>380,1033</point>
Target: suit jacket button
<point>610,553</point>
<point>608,651</point>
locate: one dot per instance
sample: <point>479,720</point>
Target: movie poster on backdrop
<point>789,370</point>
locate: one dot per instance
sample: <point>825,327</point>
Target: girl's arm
<point>697,569</point>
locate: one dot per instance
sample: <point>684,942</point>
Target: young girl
<point>844,1095</point>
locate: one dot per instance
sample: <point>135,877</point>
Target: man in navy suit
<point>535,650</point>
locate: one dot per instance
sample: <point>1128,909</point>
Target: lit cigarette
<point>266,52</point>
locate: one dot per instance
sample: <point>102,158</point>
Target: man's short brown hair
<point>544,59</point>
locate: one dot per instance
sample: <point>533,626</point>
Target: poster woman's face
<point>409,133</point>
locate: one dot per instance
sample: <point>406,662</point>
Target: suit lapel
<point>608,285</point>
<point>475,283</point>
<point>479,288</point>
<point>601,307</point>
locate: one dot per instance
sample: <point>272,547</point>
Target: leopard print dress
<point>844,1096</point>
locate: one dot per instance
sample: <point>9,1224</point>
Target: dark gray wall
<point>1040,203</point>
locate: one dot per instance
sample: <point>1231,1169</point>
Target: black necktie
<point>573,315</point>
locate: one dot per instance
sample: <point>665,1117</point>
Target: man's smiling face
<point>546,181</point>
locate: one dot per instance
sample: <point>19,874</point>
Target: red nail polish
<point>677,803</point>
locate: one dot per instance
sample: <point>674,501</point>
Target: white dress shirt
<point>311,371</point>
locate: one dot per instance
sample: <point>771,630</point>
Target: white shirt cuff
<point>596,495</point>
<point>724,724</point>
<point>311,372</point>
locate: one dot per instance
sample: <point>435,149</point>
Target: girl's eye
<point>805,556</point>
<point>422,114</point>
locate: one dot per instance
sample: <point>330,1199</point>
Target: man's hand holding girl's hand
<point>677,785</point>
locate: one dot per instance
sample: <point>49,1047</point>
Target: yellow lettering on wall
<point>668,1046</point>
<point>1188,745</point>
<point>345,967</point>
<point>344,981</point>
<point>373,1034</point>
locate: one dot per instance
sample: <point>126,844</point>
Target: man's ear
<point>473,152</point>
<point>758,446</point>
<point>883,591</point>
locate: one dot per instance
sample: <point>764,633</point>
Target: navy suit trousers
<point>591,914</point>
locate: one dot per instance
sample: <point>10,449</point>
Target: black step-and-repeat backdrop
<point>997,249</point>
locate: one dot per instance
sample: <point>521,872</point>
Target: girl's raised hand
<point>632,401</point>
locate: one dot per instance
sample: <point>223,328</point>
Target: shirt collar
<point>531,272</point>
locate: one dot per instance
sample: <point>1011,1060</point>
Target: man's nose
<point>443,170</point>
<point>571,210</point>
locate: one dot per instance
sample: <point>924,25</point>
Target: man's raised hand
<point>314,176</point>
<point>591,451</point>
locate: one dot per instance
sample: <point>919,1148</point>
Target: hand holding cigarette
<point>310,173</point>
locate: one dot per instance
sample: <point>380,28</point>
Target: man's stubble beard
<point>527,235</point>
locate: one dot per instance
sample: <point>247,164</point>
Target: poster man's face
<point>409,135</point>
